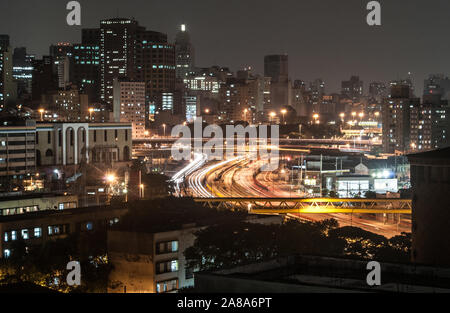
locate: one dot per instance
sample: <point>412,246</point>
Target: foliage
<point>45,264</point>
<point>232,244</point>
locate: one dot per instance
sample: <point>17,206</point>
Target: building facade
<point>184,53</point>
<point>129,105</point>
<point>73,143</point>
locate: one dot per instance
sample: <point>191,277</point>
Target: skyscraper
<point>129,104</point>
<point>43,78</point>
<point>352,89</point>
<point>155,65</point>
<point>437,85</point>
<point>8,88</point>
<point>86,69</point>
<point>276,67</point>
<point>117,51</point>
<point>23,70</point>
<point>4,41</point>
<point>397,118</point>
<point>184,53</point>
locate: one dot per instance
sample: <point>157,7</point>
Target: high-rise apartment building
<point>86,69</point>
<point>430,126</point>
<point>8,87</point>
<point>155,59</point>
<point>23,71</point>
<point>437,85</point>
<point>396,116</point>
<point>117,53</point>
<point>276,67</point>
<point>352,89</point>
<point>129,105</point>
<point>43,79</point>
<point>184,53</point>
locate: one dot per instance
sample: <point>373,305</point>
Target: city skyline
<point>331,35</point>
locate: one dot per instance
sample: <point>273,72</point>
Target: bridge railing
<point>311,205</point>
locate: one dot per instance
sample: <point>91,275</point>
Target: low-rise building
<point>38,227</point>
<point>34,202</point>
<point>73,143</point>
<point>430,180</point>
<point>153,261</point>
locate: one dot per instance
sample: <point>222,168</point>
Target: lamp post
<point>272,115</point>
<point>42,114</point>
<point>316,118</point>
<point>164,127</point>
<point>377,114</point>
<point>284,111</point>
<point>245,114</point>
<point>91,110</point>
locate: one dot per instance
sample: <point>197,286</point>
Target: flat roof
<point>56,213</point>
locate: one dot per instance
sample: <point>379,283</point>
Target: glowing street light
<point>316,118</point>
<point>272,115</point>
<point>42,114</point>
<point>141,189</point>
<point>284,111</point>
<point>110,178</point>
<point>91,110</point>
<point>361,115</point>
<point>245,114</point>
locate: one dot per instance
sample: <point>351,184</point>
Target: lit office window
<point>25,234</point>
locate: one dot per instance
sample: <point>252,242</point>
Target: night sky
<point>324,38</point>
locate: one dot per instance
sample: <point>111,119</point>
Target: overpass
<point>283,141</point>
<point>310,205</point>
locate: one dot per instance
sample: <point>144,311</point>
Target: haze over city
<point>240,149</point>
<point>324,39</point>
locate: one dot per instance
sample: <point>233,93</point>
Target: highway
<point>236,178</point>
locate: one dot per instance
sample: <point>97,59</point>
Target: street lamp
<point>110,178</point>
<point>272,115</point>
<point>361,115</point>
<point>284,111</point>
<point>141,189</point>
<point>42,114</point>
<point>245,114</point>
<point>91,110</point>
<point>316,118</point>
<point>164,127</point>
<point>342,115</point>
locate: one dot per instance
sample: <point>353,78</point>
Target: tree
<point>360,243</point>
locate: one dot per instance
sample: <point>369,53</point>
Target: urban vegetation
<point>227,245</point>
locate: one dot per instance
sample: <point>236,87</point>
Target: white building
<point>129,105</point>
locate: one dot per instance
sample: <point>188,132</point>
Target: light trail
<point>198,161</point>
<point>196,179</point>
